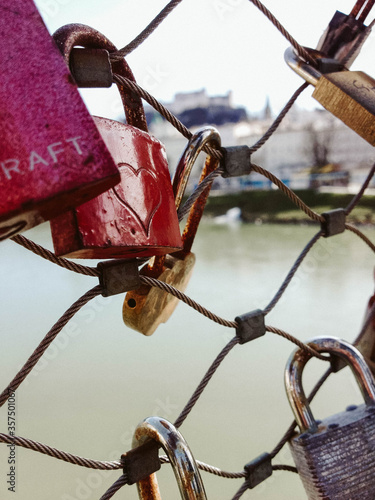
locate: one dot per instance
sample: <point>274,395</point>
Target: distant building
<point>199,99</point>
<point>195,109</point>
<point>291,152</point>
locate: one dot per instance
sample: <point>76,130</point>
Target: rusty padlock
<point>147,307</point>
<point>184,466</point>
<point>336,457</point>
<point>348,95</point>
<point>52,156</point>
<point>136,218</point>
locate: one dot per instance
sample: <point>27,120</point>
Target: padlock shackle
<point>71,35</point>
<point>306,71</point>
<point>204,136</point>
<point>293,376</point>
<point>184,466</point>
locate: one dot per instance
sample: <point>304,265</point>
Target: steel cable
<point>121,481</point>
<point>301,50</point>
<point>46,342</point>
<point>202,385</point>
<point>359,233</point>
<point>150,28</point>
<point>51,257</point>
<point>292,272</point>
<point>279,119</point>
<point>60,455</point>
<point>187,300</point>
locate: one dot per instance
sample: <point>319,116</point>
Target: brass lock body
<point>142,305</point>
<point>335,458</point>
<point>348,95</point>
<point>147,307</point>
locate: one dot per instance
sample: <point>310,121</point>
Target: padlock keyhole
<point>132,303</point>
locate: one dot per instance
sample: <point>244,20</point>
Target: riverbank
<point>275,207</point>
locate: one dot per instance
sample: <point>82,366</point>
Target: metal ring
<point>186,162</point>
<point>184,466</point>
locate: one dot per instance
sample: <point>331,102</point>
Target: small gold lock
<point>147,307</point>
<point>348,95</point>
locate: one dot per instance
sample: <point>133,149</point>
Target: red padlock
<point>52,156</point>
<point>138,217</point>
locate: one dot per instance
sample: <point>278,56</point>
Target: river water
<point>100,378</point>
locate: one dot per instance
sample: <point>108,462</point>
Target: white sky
<point>217,44</point>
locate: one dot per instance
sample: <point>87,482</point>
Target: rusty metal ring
<point>184,466</point>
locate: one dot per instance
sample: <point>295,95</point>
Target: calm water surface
<point>100,378</point>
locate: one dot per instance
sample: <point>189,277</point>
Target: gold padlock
<point>146,307</point>
<point>348,95</point>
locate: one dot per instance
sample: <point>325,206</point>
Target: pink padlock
<point>52,156</point>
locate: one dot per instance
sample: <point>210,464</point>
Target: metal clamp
<point>183,463</point>
<point>140,462</point>
<point>91,68</point>
<point>118,276</point>
<point>250,326</point>
<point>258,470</point>
<point>334,222</point>
<point>237,161</point>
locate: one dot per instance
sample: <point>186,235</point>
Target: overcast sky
<point>217,44</point>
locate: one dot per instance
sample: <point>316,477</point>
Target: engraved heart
<point>139,192</point>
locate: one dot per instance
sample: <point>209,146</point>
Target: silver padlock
<point>184,466</point>
<point>336,457</point>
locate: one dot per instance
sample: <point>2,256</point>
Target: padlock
<point>52,157</point>
<point>147,307</point>
<point>348,95</point>
<point>184,466</point>
<point>336,457</point>
<point>136,218</point>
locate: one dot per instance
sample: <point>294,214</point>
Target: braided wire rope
<point>202,385</point>
<point>60,455</point>
<point>150,28</point>
<point>272,129</point>
<point>121,481</point>
<point>287,436</point>
<point>292,272</point>
<point>185,298</point>
<point>357,198</point>
<point>301,50</point>
<point>210,469</point>
<point>46,342</point>
<point>360,234</point>
<point>48,255</point>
